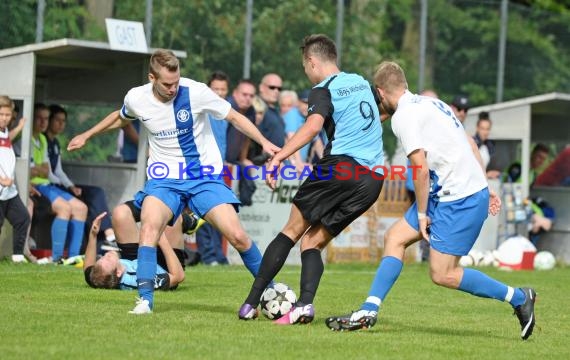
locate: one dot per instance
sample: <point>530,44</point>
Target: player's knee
<point>238,238</point>
<point>61,209</point>
<point>79,209</point>
<point>442,278</point>
<point>390,237</point>
<point>121,214</point>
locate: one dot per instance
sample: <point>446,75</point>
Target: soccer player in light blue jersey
<point>182,147</point>
<point>452,203</point>
<point>345,105</point>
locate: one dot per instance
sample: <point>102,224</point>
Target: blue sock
<point>75,232</point>
<point>476,283</point>
<point>252,259</point>
<point>518,298</point>
<point>58,236</point>
<point>386,275</point>
<point>146,271</point>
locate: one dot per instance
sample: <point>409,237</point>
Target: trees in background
<point>461,49</point>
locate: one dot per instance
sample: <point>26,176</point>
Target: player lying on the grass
<point>118,270</point>
<point>452,202</point>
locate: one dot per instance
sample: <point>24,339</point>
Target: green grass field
<point>50,313</point>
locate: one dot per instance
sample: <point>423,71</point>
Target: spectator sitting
<point>538,157</point>
<point>70,213</point>
<point>558,172</point>
<point>92,196</point>
<point>542,213</point>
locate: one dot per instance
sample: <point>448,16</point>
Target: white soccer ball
<point>277,300</point>
<point>544,260</point>
<point>466,261</point>
<point>488,259</point>
<point>477,257</point>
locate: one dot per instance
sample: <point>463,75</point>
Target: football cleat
<point>19,258</point>
<point>191,223</point>
<point>297,315</point>
<point>357,320</point>
<point>525,313</point>
<point>110,245</point>
<point>247,312</point>
<point>142,307</point>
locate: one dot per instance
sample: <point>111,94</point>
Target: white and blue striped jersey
<point>422,122</point>
<point>180,135</point>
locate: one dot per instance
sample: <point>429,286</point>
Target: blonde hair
<point>390,76</point>
<point>259,105</point>
<point>163,58</point>
<point>5,101</point>
<point>102,280</point>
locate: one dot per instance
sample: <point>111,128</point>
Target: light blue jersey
<point>354,127</point>
<point>129,278</point>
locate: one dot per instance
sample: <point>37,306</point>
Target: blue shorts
<point>198,195</point>
<point>455,225</point>
<point>52,192</point>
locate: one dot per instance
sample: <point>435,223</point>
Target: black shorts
<point>129,251</point>
<point>134,210</point>
<point>334,197</point>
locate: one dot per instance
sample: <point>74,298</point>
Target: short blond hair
<point>163,58</point>
<point>259,105</point>
<point>390,76</point>
<point>5,101</point>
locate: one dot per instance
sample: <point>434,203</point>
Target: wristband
<point>421,215</point>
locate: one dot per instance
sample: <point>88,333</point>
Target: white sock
<point>510,293</point>
<point>373,300</point>
<point>110,237</point>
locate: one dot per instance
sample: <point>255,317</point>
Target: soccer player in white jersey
<point>184,162</point>
<point>452,202</point>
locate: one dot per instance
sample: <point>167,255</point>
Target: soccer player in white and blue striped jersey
<point>452,203</point>
<point>184,164</point>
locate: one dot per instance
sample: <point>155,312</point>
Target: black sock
<point>311,271</point>
<point>273,260</point>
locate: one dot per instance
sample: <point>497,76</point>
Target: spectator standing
<point>11,206</point>
<point>485,145</point>
<point>460,106</point>
<point>295,118</point>
<point>208,238</point>
<point>272,126</point>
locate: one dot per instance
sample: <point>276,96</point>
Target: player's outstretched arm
<point>250,130</point>
<point>111,121</point>
<point>175,270</point>
<point>91,249</point>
